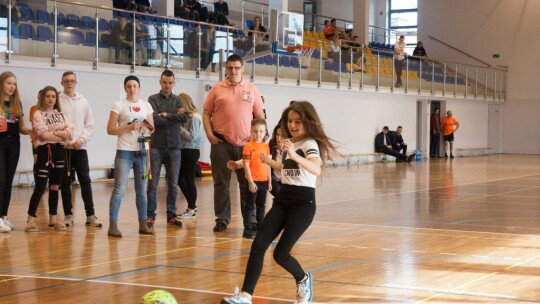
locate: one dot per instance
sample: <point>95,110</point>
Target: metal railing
<point>363,68</point>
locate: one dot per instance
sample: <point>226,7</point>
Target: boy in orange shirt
<point>447,124</point>
<point>257,175</point>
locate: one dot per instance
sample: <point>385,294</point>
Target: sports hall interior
<point>433,231</point>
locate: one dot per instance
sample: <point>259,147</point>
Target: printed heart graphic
<point>136,109</point>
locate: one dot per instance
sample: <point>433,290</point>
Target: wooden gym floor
<point>465,230</point>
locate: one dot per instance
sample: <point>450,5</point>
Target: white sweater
<point>79,114</point>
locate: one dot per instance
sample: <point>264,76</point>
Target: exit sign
<point>496,55</point>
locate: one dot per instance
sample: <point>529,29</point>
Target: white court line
<point>360,247</point>
<point>419,251</point>
<point>333,245</point>
<point>480,256</point>
<point>422,190</point>
<point>454,292</point>
<point>447,253</point>
<point>133,284</point>
<point>389,249</point>
<point>533,236</point>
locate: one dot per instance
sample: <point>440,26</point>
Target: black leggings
<point>292,212</point>
<point>50,161</point>
<point>77,161</point>
<point>10,148</point>
<point>186,178</point>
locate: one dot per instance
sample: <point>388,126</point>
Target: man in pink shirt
<point>228,110</point>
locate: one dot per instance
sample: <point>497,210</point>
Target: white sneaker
<point>189,214</point>
<point>4,227</point>
<point>238,298</point>
<point>8,223</point>
<point>69,220</point>
<point>304,291</point>
<point>93,221</point>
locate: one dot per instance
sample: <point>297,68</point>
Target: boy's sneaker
<point>189,214</point>
<point>248,234</point>
<point>150,221</point>
<point>238,298</point>
<point>93,221</point>
<point>68,220</point>
<point>4,227</point>
<point>304,290</point>
<point>8,223</point>
<point>174,222</point>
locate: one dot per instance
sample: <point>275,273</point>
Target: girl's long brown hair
<point>313,128</point>
<point>41,100</point>
<point>14,100</point>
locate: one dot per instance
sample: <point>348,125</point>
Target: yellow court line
<point>121,260</point>
<point>479,279</point>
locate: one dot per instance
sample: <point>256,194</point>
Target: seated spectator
<point>121,4</point>
<point>143,6</point>
<point>262,42</point>
<point>333,48</point>
<point>187,11</point>
<point>193,47</point>
<point>208,44</point>
<point>141,33</point>
<point>328,30</point>
<point>397,141</point>
<point>240,41</point>
<point>221,11</point>
<point>121,39</point>
<point>195,6</point>
<point>384,145</point>
<point>419,50</point>
<point>15,12</point>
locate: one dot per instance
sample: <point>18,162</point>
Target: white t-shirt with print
<point>294,174</point>
<point>129,112</point>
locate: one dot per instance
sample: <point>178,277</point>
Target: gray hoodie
<point>78,113</point>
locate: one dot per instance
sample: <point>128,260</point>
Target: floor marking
<point>436,229</point>
<point>480,256</point>
<point>480,278</point>
<point>446,253</point>
<point>333,245</point>
<point>419,251</point>
<point>131,258</point>
<point>423,190</point>
<point>389,249</point>
<point>451,291</point>
<point>139,285</point>
<point>360,247</point>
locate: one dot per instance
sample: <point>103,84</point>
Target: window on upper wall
<point>403,20</point>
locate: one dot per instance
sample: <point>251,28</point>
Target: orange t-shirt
<point>447,124</point>
<point>251,154</point>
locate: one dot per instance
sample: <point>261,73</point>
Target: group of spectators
<point>194,10</point>
<point>392,143</point>
<point>142,6</point>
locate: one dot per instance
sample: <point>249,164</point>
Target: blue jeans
<point>123,162</point>
<point>171,159</point>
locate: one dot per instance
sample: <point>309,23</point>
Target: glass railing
<point>62,30</point>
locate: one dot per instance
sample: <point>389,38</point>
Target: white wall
<point>350,117</point>
<point>484,27</point>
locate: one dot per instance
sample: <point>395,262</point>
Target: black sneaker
<point>410,158</point>
<point>174,222</point>
<point>445,155</point>
<point>248,234</point>
<point>451,156</point>
<point>220,227</point>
